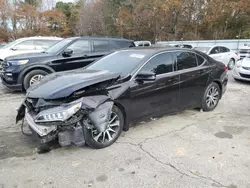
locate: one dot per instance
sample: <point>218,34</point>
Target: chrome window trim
<point>174,61</point>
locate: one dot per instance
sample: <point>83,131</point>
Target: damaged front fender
<point>102,106</point>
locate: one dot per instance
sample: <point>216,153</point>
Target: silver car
<point>242,69</point>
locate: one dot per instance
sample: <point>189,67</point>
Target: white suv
<point>222,54</point>
<point>27,45</point>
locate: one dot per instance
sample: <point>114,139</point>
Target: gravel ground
<point>191,149</point>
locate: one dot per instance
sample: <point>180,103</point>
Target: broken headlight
<point>60,113</point>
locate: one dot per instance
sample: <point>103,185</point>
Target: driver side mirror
<point>146,76</point>
<point>67,53</point>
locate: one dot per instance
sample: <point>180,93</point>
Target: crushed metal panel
<point>101,115</point>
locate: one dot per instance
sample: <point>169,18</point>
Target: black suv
<point>21,71</point>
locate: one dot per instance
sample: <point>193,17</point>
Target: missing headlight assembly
<point>70,122</point>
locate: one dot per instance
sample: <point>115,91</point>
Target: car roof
<point>101,38</point>
<point>41,37</point>
<point>155,49</point>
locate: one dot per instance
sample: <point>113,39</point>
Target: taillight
<point>236,53</point>
<point>225,68</point>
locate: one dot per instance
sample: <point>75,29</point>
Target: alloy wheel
<point>109,134</point>
<point>231,64</point>
<point>36,78</point>
<point>212,97</point>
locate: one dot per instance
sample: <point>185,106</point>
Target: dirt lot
<point>187,150</point>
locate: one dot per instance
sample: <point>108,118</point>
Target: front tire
<point>104,139</point>
<point>33,77</point>
<point>211,97</point>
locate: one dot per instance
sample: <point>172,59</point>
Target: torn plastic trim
<point>41,130</point>
<point>101,107</point>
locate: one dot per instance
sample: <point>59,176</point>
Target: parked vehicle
<point>142,43</point>
<point>242,70</point>
<point>94,104</point>
<point>27,45</point>
<point>222,54</point>
<point>19,72</point>
<point>2,45</point>
<point>182,46</point>
<point>244,53</point>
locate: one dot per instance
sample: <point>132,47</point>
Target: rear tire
<point>98,143</point>
<point>231,64</point>
<point>211,97</point>
<point>32,75</point>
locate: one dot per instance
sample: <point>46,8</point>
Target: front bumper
<point>41,130</point>
<point>241,74</point>
<point>9,85</point>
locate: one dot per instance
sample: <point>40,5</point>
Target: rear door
<point>215,53</point>
<point>226,55</point>
<point>80,57</point>
<point>154,97</point>
<point>194,74</point>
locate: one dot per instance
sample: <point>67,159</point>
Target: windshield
<point>123,62</point>
<point>11,44</point>
<point>202,49</point>
<point>58,46</point>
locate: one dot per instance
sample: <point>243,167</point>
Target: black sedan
<point>94,104</point>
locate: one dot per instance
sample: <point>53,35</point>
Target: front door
<point>155,97</point>
<point>194,74</point>
<point>81,56</point>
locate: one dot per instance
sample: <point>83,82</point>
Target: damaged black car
<point>93,105</point>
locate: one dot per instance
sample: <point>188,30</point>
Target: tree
<point>34,3</point>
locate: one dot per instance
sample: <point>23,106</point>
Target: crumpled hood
<point>246,62</point>
<point>63,84</point>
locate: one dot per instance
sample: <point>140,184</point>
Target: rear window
<point>125,44</point>
<point>186,60</point>
<point>102,46</point>
<point>200,60</point>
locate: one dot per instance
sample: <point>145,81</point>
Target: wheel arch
<point>120,106</point>
<point>220,85</point>
<point>39,67</point>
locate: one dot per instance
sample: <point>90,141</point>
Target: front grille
<point>243,52</point>
<point>245,75</point>
<point>3,65</point>
<point>246,68</point>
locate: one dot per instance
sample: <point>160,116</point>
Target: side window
<point>200,60</point>
<point>223,50</point>
<point>80,46</point>
<point>160,64</point>
<point>215,50</point>
<point>44,44</point>
<point>102,46</point>
<point>25,45</point>
<point>228,50</point>
<point>125,44</point>
<point>186,60</point>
